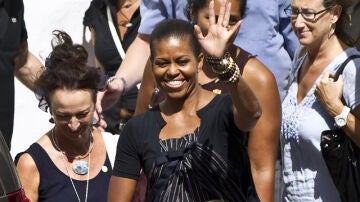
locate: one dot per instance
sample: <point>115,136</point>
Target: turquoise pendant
<point>81,167</point>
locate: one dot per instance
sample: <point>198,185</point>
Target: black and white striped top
<point>209,164</point>
<point>189,171</point>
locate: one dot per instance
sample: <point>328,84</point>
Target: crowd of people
<point>187,100</point>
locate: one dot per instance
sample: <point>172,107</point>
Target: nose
<point>299,21</point>
<point>74,123</point>
<point>173,69</point>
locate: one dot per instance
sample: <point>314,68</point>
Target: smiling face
<point>72,110</point>
<point>312,32</point>
<point>201,18</point>
<point>175,66</point>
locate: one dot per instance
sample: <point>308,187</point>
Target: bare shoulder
<point>256,71</point>
<point>26,164</point>
<point>29,176</point>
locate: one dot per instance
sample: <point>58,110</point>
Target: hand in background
<point>220,34</point>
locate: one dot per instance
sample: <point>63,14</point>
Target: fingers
<point>198,33</point>
<point>327,77</point>
<point>99,122</point>
<point>211,13</point>
<point>102,125</point>
<point>236,27</point>
<point>224,13</point>
<point>99,98</point>
<point>226,18</point>
<point>221,16</point>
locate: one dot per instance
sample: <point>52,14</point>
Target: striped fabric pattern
<point>189,171</point>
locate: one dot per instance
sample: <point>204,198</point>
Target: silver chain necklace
<point>72,183</point>
<point>80,167</point>
<point>67,170</point>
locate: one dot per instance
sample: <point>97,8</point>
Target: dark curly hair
<point>66,69</point>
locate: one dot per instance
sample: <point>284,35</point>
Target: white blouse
<point>305,175</point>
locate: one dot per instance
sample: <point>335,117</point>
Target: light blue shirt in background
<point>155,11</point>
<point>267,33</point>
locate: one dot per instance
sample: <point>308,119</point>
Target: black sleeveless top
<point>56,186</point>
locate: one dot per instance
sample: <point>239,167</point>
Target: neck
<point>76,148</point>
<point>322,50</point>
<point>189,104</point>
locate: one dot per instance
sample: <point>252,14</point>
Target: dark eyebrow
<point>81,111</point>
<point>302,9</point>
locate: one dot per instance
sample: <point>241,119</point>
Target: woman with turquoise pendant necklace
<point>70,160</point>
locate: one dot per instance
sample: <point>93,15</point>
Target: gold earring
<point>332,29</point>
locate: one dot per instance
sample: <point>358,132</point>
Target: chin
<point>305,42</point>
<point>177,95</point>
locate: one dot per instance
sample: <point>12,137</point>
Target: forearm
<point>264,180</point>
<point>263,150</point>
<point>146,90</point>
<point>247,108</point>
<point>263,147</point>
<point>121,189</point>
<point>132,67</point>
<point>27,67</point>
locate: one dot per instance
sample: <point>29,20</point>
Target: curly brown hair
<point>66,69</point>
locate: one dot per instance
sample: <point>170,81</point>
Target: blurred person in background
<point>125,21</point>
<point>15,60</point>
<point>313,101</point>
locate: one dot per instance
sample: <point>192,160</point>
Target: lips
<point>175,83</point>
<point>302,33</point>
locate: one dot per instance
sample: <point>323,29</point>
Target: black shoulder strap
<point>12,7</point>
<point>343,65</point>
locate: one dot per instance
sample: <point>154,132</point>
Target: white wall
<point>42,17</point>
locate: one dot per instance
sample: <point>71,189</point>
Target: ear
<point>336,13</point>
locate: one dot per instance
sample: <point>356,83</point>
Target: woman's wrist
<point>336,108</point>
<point>225,67</point>
<point>120,83</point>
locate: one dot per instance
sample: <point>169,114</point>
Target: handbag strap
<point>114,34</point>
<point>343,65</point>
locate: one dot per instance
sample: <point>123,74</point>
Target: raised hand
<point>220,35</point>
